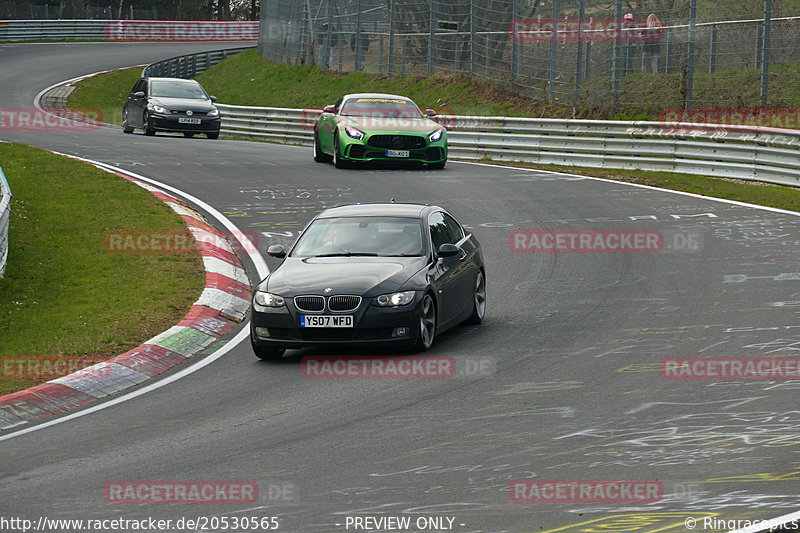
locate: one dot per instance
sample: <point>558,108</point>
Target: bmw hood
<point>368,276</point>
<point>182,104</point>
<point>392,124</point>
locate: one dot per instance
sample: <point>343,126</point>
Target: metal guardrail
<point>743,152</point>
<point>128,30</point>
<point>189,66</point>
<point>5,216</point>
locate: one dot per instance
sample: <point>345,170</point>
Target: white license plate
<point>397,153</point>
<point>326,321</point>
<point>186,120</point>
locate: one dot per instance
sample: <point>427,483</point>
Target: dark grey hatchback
<point>373,274</point>
<point>170,104</point>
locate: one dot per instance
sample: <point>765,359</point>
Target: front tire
<point>338,160</point>
<point>125,127</point>
<point>478,300</point>
<point>437,165</point>
<point>148,129</point>
<point>319,155</point>
<point>188,134</point>
<point>214,135</point>
<point>427,323</point>
<point>267,354</point>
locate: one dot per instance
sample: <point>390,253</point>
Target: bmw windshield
<point>361,236</point>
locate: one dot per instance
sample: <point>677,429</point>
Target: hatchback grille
<point>397,142</point>
<point>309,303</point>
<point>344,303</point>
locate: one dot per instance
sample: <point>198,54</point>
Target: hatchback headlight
<point>395,299</point>
<point>213,113</point>
<point>436,135</point>
<point>160,109</point>
<point>354,133</point>
<point>266,299</point>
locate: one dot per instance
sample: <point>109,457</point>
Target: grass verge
<point>63,294</point>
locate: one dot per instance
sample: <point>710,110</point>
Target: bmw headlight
<point>213,113</point>
<point>266,299</point>
<point>354,133</point>
<point>160,109</point>
<point>436,135</point>
<point>395,299</point>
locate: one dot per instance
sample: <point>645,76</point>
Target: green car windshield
<point>361,236</point>
<point>380,108</point>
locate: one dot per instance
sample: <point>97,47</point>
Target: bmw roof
<point>380,210</point>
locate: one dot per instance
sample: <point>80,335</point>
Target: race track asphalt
<point>571,346</point>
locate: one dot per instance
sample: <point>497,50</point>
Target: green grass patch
<point>63,294</point>
<point>104,94</point>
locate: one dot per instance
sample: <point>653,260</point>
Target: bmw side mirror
<point>213,98</point>
<point>430,113</point>
<point>276,250</point>
<point>448,250</point>
<point>329,109</point>
<point>139,94</point>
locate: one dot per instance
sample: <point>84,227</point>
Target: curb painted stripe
<point>223,302</point>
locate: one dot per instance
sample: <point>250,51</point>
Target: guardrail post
<point>690,66</point>
<point>765,63</point>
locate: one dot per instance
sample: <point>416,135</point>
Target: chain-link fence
<point>601,54</point>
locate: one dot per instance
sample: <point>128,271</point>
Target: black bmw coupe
<point>374,274</point>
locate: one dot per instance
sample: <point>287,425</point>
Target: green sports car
<point>369,127</point>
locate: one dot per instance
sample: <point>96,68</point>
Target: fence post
<point>616,53</point>
<point>380,54</point>
<point>690,67</point>
<point>404,52</point>
<point>765,64</point>
<point>588,69</point>
<point>431,39</point>
<point>579,58</point>
<point>514,49</point>
<point>328,48</point>
<point>390,62</point>
<point>712,60</point>
<point>357,37</point>
<point>759,43</point>
<point>551,76</point>
<point>472,38</point>
<point>669,52</point>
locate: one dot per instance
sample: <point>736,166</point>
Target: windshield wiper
<point>349,254</point>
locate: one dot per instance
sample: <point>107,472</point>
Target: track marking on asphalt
<point>252,253</point>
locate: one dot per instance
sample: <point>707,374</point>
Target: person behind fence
<point>326,48</point>
<point>628,31</point>
<point>653,36</point>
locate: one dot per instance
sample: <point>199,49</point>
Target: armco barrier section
<point>730,151</point>
<point>189,66</point>
<point>129,30</point>
<point>5,216</point>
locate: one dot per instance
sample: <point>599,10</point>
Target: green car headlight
<point>436,135</point>
<point>354,133</point>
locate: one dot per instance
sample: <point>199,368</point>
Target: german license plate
<point>326,321</point>
<point>187,120</point>
<point>397,153</point>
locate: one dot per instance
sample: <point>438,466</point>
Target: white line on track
<point>255,257</point>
